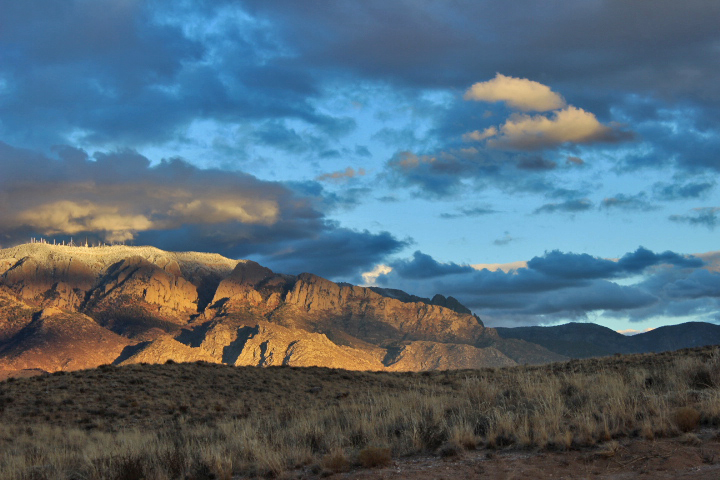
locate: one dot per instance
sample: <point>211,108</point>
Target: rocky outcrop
<point>162,288</point>
<point>375,318</point>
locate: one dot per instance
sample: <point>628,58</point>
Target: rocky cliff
<point>76,307</point>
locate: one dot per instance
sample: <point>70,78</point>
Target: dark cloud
<point>120,196</point>
<point>702,216</point>
<point>584,266</point>
<point>132,72</point>
<point>536,163</point>
<point>424,266</point>
<point>567,42</point>
<point>629,202</point>
<point>560,286</point>
<point>336,253</point>
<point>569,206</point>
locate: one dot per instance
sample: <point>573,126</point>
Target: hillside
<point>584,340</point>
<point>64,308</point>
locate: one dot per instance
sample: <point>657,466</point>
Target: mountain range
<point>69,307</point>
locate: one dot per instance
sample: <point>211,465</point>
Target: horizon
<point>543,164</point>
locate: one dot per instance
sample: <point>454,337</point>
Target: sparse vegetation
<point>214,421</point>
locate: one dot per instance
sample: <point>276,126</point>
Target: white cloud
<point>531,132</point>
<point>519,93</point>
<point>370,277</point>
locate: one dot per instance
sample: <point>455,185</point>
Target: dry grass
<point>214,421</point>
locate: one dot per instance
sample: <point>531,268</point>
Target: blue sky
<point>542,162</point>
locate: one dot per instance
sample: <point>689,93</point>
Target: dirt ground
<point>696,456</point>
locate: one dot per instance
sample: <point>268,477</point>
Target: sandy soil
<point>659,459</point>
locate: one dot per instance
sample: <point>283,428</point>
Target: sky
<point>542,162</point>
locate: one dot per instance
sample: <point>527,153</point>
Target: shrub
<point>336,461</point>
<point>372,457</point>
<point>686,418</point>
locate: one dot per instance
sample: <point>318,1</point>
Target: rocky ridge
<point>66,308</point>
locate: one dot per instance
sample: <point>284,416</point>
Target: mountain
<point>583,340</point>
<point>68,307</point>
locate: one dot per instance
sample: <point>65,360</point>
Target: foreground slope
<point>628,416</point>
<point>64,308</point>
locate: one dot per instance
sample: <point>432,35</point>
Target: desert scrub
<point>271,423</point>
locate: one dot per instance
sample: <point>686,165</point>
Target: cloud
<point>424,266</point>
<point>339,176</point>
<point>701,216</point>
<point>629,202</point>
<point>535,132</point>
<point>561,286</point>
<point>479,136</point>
<point>569,206</point>
<point>518,93</point>
<point>469,212</point>
<point>535,163</point>
<point>504,240</point>
<point>371,276</point>
<point>351,251</point>
<point>584,266</point>
<point>120,196</point>
<point>672,191</point>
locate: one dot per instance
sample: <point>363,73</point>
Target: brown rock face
<point>76,307</point>
<point>375,318</point>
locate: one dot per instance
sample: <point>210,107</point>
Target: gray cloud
<point>469,212</point>
<point>677,191</point>
<point>506,239</point>
<point>424,266</point>
<point>568,206</point>
<point>561,286</point>
<point>629,202</point>
<point>701,216</point>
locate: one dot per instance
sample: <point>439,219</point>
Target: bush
<point>336,462</point>
<point>372,457</point>
<point>686,418</point>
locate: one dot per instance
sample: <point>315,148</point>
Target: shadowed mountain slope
<point>583,340</point>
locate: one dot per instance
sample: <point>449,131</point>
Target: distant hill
<point>583,340</point>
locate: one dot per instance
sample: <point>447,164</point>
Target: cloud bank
<point>559,286</point>
<point>121,197</point>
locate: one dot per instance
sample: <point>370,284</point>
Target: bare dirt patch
<point>634,458</point>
